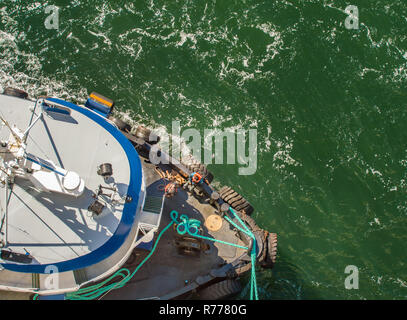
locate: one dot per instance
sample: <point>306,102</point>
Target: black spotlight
<point>105,170</point>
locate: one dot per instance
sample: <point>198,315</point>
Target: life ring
<point>196,178</point>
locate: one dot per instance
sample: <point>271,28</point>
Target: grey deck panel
<point>50,226</point>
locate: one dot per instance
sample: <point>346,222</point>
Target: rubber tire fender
<point>121,125</point>
<point>222,290</point>
<point>194,165</point>
<point>15,93</point>
<point>145,134</point>
<point>235,200</point>
<point>271,251</point>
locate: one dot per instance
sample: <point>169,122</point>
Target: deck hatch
<point>153,204</point>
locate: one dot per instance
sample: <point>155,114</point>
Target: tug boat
<point>86,215</point>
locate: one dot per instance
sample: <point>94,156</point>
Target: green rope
<point>253,280</point>
<point>185,225</point>
<point>96,291</point>
<point>191,226</point>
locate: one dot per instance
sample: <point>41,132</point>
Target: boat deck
<point>54,227</point>
<point>45,229</point>
<point>167,271</point>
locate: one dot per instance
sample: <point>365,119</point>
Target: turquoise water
<point>328,103</point>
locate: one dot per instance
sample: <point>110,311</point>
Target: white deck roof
<point>54,227</point>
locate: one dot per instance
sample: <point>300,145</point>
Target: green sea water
<point>329,105</point>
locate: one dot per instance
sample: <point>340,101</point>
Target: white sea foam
<point>282,157</point>
<point>101,35</point>
<point>29,78</point>
<point>184,37</point>
<point>132,48</point>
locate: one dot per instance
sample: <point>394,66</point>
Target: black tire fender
<point>271,254</point>
<point>235,200</point>
<point>15,93</point>
<point>121,125</point>
<point>146,135</point>
<point>222,290</point>
<point>194,165</point>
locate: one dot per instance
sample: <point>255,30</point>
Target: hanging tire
<point>222,290</point>
<point>15,93</point>
<point>235,200</point>
<point>121,125</point>
<point>146,135</point>
<point>258,233</point>
<point>194,165</point>
<point>271,254</point>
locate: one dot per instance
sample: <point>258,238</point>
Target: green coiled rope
<point>185,225</point>
<point>191,226</point>
<point>95,291</point>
